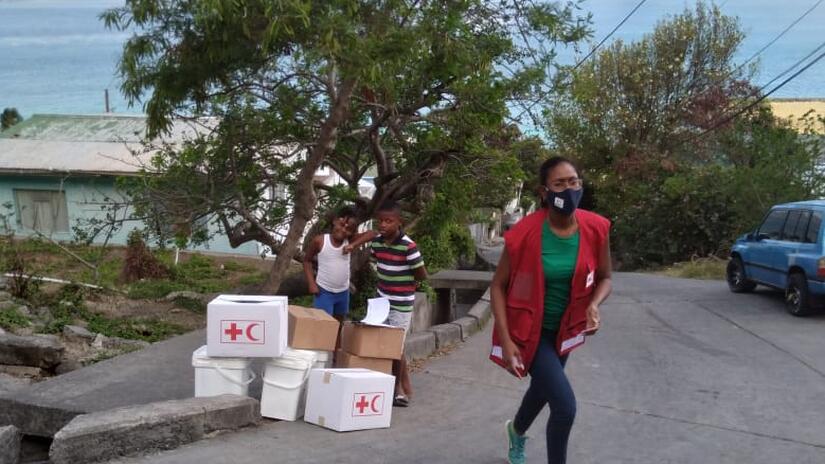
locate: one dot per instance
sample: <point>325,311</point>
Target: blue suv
<point>786,253</point>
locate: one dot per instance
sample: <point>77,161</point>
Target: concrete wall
<point>84,198</point>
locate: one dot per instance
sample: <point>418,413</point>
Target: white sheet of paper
<point>378,309</point>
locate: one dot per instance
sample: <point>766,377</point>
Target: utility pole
<point>106,97</point>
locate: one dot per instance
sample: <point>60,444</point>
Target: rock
<point>5,296</point>
<point>9,444</point>
<point>10,383</point>
<point>2,331</point>
<point>43,351</point>
<point>117,343</point>
<point>185,294</point>
<point>21,371</point>
<point>24,310</point>
<point>77,333</point>
<point>7,304</point>
<point>99,341</point>
<point>105,435</point>
<point>67,366</point>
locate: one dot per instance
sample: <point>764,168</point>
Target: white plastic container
<point>323,359</point>
<point>284,385</point>
<point>219,376</point>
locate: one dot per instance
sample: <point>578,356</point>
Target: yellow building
<point>794,108</point>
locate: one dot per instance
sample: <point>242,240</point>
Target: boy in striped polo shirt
<point>400,267</point>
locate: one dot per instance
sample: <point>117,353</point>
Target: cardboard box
<point>349,399</point>
<point>312,329</point>
<point>246,326</point>
<point>370,341</point>
<point>346,360</point>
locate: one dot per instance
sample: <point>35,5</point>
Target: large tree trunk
<point>305,198</point>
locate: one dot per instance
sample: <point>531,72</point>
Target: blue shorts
<point>335,304</point>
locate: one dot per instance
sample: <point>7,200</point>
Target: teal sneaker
<point>515,453</point>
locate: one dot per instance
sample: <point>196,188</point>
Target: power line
<point>781,34</point>
<point>763,97</point>
<point>610,34</point>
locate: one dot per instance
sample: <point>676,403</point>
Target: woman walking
<point>553,275</point>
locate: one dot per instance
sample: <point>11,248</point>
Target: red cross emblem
<point>368,404</point>
<point>243,332</point>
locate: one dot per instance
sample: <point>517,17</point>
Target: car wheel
<point>737,281</point>
<point>797,299</point>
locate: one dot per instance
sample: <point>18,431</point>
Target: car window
<point>788,233</point>
<point>772,226</point>
<point>801,227</point>
<point>813,228</point>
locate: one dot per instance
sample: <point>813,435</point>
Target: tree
<point>9,118</point>
<point>648,121</point>
<point>400,90</point>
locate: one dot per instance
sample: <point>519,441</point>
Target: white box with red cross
<point>246,326</point>
<point>349,399</point>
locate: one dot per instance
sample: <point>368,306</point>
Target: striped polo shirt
<point>396,264</point>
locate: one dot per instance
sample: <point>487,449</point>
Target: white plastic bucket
<point>323,359</point>
<point>284,385</point>
<point>219,376</point>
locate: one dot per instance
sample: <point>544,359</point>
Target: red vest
<point>525,291</point>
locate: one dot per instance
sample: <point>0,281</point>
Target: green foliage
<point>366,283</point>
<point>9,117</point>
<point>305,301</point>
<point>710,268</point>
<point>409,87</point>
<point>154,289</point>
<point>146,329</point>
<point>636,116</point>
<point>11,318</point>
<point>192,304</point>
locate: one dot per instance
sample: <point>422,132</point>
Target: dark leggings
<point>549,386</point>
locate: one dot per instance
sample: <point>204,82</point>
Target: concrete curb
<point>481,311</point>
<point>422,344</point>
<point>446,334</point>
<point>9,445</point>
<point>468,325</point>
<point>106,435</point>
<point>419,345</point>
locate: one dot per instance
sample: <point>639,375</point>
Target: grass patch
<point>710,268</point>
<point>192,304</point>
<point>305,301</point>
<point>153,289</point>
<point>253,279</point>
<point>10,318</point>
<point>150,330</point>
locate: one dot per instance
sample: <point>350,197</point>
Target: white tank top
<point>333,267</point>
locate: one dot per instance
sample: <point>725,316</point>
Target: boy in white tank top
<point>331,285</point>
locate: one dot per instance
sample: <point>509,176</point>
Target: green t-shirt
<point>558,257</point>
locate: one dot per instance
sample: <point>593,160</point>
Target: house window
<point>42,210</point>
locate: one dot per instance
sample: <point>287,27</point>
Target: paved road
<point>682,372</point>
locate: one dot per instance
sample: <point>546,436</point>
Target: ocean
<point>57,57</point>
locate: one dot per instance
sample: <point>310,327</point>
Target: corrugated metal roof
<point>97,144</point>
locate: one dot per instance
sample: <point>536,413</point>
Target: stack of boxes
<point>370,347</point>
<point>297,343</point>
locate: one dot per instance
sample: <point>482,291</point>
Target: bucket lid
<point>201,359</point>
<point>294,359</point>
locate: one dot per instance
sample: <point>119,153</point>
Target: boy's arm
<point>309,256</point>
<point>421,273</point>
<point>359,240</point>
<point>416,263</point>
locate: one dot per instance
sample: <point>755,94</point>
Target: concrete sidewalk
<point>683,372</point>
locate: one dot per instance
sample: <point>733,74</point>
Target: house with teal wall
<point>59,171</point>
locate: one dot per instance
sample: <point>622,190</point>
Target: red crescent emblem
<point>372,405</point>
<point>249,332</point>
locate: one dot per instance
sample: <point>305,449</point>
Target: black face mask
<point>565,202</point>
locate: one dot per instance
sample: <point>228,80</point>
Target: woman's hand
<point>593,319</point>
<point>512,358</point>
